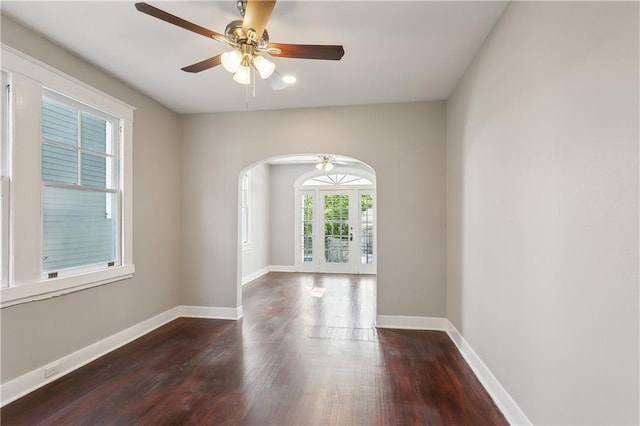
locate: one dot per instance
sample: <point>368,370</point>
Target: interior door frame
<point>317,264</point>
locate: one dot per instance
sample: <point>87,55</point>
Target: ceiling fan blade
<point>172,19</point>
<point>204,65</point>
<point>276,82</point>
<point>257,15</point>
<point>306,51</point>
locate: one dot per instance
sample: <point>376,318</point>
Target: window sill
<point>47,289</point>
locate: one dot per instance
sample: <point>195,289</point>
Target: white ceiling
<point>394,51</point>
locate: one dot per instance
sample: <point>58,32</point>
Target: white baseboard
<point>255,275</point>
<point>512,412</point>
<point>509,408</point>
<point>210,312</point>
<point>22,385</point>
<point>282,268</point>
<point>271,268</point>
<point>411,323</point>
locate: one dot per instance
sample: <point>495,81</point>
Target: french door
<point>336,231</point>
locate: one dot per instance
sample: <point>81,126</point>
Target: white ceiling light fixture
<point>243,74</point>
<point>264,66</point>
<point>240,61</point>
<point>326,163</point>
<point>231,60</point>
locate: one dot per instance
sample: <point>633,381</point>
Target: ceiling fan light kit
<point>248,37</point>
<point>243,74</point>
<point>325,167</point>
<point>264,66</point>
<point>326,163</point>
<point>231,60</point>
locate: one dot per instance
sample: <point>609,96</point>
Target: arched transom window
<point>339,179</point>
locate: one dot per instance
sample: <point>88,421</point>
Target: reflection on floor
<point>294,359</point>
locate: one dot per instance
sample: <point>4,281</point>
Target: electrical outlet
<point>51,370</point>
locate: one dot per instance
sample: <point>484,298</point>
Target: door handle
<point>351,236</point>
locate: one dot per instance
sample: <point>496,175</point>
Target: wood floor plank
<point>294,359</point>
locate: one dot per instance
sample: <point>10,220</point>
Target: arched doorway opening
<point>294,217</point>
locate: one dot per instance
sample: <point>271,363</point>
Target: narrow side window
<point>245,209</point>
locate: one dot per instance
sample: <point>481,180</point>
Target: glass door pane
<point>307,228</point>
<point>337,232</point>
<point>366,229</point>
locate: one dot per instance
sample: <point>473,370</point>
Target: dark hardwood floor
<point>294,359</point>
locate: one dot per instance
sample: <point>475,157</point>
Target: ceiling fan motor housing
<point>234,32</point>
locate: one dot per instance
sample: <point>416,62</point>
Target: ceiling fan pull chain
<point>246,97</point>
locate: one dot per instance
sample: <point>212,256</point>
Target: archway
<point>273,193</point>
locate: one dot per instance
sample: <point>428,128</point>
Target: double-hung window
<point>80,190</point>
<point>68,178</point>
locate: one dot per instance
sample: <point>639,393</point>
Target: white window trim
<point>4,181</point>
<point>25,279</point>
<point>298,183</point>
<point>45,289</point>
<point>246,245</point>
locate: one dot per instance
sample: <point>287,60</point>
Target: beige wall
<point>542,167</point>
<point>403,143</point>
<point>37,333</point>
<point>255,255</point>
<point>282,247</point>
<point>282,209</point>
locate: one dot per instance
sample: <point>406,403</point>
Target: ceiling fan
<point>324,162</point>
<point>248,38</point>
